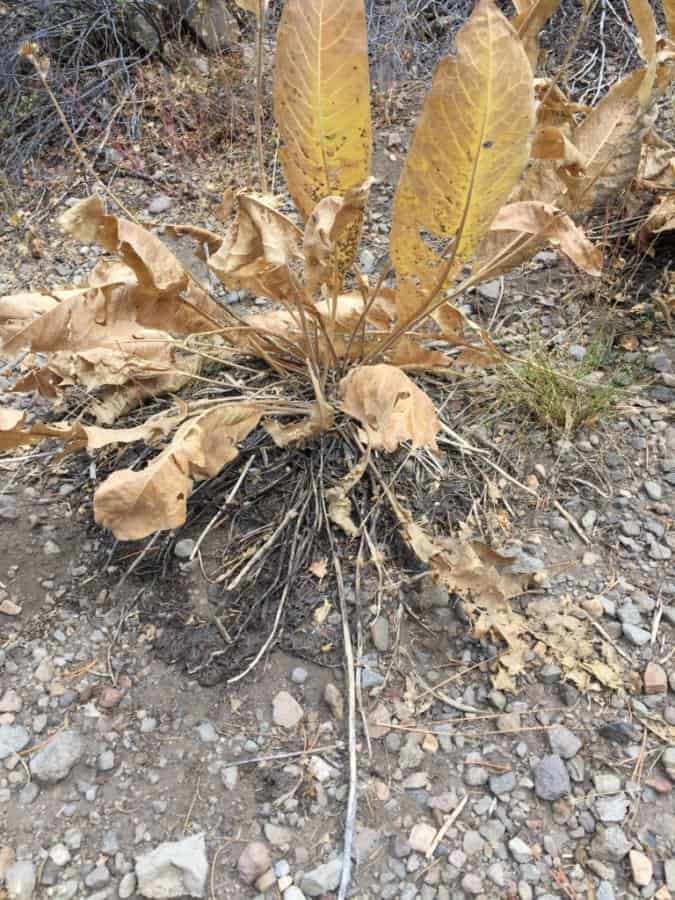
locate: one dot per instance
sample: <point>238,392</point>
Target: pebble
<point>323,879</point>
<point>653,490</point>
<point>635,634</point>
<point>127,886</point>
<point>656,680</point>
<point>286,711</point>
<point>10,702</point>
<point>669,871</point>
<point>299,675</point>
<point>520,851</point>
<point>173,869</point>
<point>605,891</point>
<point>13,738</point>
<point>105,761</point>
<point>472,884</point>
<point>54,761</point>
<point>551,779</point>
<point>502,784</point>
<point>207,733</point>
<point>253,861</point>
<point>607,783</point>
<point>641,868</point>
<point>421,837</point>
<point>159,204</point>
<point>611,844</point>
<point>564,742</point>
<point>99,877</point>
<point>293,893</point>
<point>380,634</point>
<point>668,760</point>
<point>612,808</point>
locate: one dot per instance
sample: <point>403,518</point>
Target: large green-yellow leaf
<point>322,103</point>
<point>470,147</point>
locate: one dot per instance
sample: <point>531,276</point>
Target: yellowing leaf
<point>134,504</point>
<point>337,497</point>
<point>390,407</point>
<point>257,7</point>
<point>646,26</point>
<point>669,14</point>
<point>469,149</point>
<point>545,220</point>
<point>660,218</point>
<point>322,104</point>
<point>330,220</point>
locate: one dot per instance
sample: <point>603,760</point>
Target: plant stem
<point>259,34</point>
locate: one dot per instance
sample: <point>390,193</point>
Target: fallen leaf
<point>390,407</point>
<point>337,497</point>
<point>531,18</point>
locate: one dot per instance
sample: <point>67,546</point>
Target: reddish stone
<point>659,784</point>
<point>656,680</point>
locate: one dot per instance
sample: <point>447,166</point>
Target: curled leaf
<point>390,407</point>
<point>552,143</point>
<point>531,18</point>
<point>133,504</point>
<point>545,220</point>
<point>337,497</point>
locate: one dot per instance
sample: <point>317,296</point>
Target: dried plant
<point>501,163</point>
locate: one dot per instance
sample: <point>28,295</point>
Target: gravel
<point>551,779</point>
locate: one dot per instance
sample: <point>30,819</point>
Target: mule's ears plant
<point>500,164</point>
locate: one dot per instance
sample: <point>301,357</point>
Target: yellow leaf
<point>470,147</point>
<point>390,407</point>
<point>257,7</point>
<point>669,14</point>
<point>337,497</point>
<point>646,27</point>
<point>134,504</point>
<point>544,219</point>
<point>322,104</point>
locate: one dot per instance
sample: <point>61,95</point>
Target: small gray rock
<point>207,733</point>
<point>183,548</point>
<point>502,784</point>
<point>13,738</point>
<point>98,877</point>
<point>607,783</point>
<point>174,869</point>
<point>371,678</point>
<point>653,490</point>
<point>299,675</point>
<point>286,711</point>
<point>28,794</point>
<point>380,633</point>
<point>105,761</point>
<point>520,851</point>
<point>159,204</point>
<point>612,808</point>
<point>605,891</point>
<point>611,844</point>
<point>323,879</point>
<point>635,634</point>
<point>293,893</point>
<point>668,760</point>
<point>127,886</point>
<point>551,779</point>
<point>564,742</point>
<point>577,352</point>
<point>54,761</point>
<point>367,261</point>
<point>472,884</point>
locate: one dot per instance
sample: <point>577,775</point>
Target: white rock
<point>286,711</point>
<point>421,837</point>
<point>321,770</point>
<point>323,879</point>
<point>174,869</point>
<point>641,868</point>
<point>55,760</point>
<point>127,886</point>
<point>59,854</point>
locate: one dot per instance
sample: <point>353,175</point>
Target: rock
<point>490,290</point>
<point>605,891</point>
<point>641,868</point>
<point>334,701</point>
<point>182,549</point>
<point>286,711</point>
<point>668,760</point>
<point>502,784</point>
<point>212,22</point>
<point>51,548</point>
<point>265,882</point>
<point>174,869</point>
<point>635,635</point>
<point>577,352</point>
<point>293,893</point>
<point>564,742</point>
<point>321,770</point>
<point>6,860</point>
<point>497,875</point>
<point>323,879</point>
<point>207,733</point>
<point>299,675</point>
<point>105,761</point>
<point>59,855</point>
<point>8,607</point>
<point>10,702</point>
<point>669,869</point>
<point>371,677</point>
<point>472,884</point>
<point>367,261</point>
<point>607,783</point>
<point>110,696</point>
<point>520,851</point>
<point>98,877</point>
<point>656,681</point>
<point>619,732</point>
<point>230,777</point>
<point>55,760</point>
<point>475,776</point>
<point>550,674</point>
<point>13,738</point>
<point>253,861</point>
<point>20,879</point>
<point>28,794</point>
<point>421,837</point>
<point>610,843</point>
<point>380,633</point>
<point>551,779</point>
<point>653,490</point>
<point>127,886</point>
<point>613,808</point>
<point>277,835</point>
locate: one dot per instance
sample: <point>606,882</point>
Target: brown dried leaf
<point>319,568</point>
<point>660,218</point>
<point>551,142</point>
<point>544,219</point>
<point>134,504</point>
<point>258,249</point>
<point>390,407</point>
<point>337,497</point>
<point>320,420</point>
<point>470,146</point>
